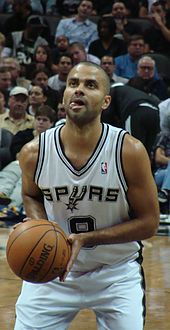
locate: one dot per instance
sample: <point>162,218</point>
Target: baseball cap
<point>35,20</point>
<point>18,90</point>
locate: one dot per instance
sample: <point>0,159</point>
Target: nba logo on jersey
<point>104,168</point>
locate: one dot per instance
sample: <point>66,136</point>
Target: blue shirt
<point>126,66</point>
<point>84,32</point>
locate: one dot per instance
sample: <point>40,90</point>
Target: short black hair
<point>107,81</point>
<point>47,111</point>
<point>109,21</point>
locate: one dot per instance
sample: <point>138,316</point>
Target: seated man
<point>147,81</point>
<point>10,176</point>
<point>17,118</point>
<point>108,65</point>
<point>79,28</point>
<point>126,65</point>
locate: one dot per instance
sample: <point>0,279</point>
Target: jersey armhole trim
<point>119,161</point>
<point>40,159</point>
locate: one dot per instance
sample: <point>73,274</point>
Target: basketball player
<point>98,186</point>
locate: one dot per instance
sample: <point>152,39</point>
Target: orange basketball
<point>38,251</point>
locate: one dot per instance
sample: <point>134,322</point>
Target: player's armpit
<point>142,192</point>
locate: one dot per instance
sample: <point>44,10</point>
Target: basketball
<point>37,251</point>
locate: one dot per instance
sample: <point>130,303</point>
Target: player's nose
<point>79,90</point>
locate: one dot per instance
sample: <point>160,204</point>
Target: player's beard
<point>82,117</point>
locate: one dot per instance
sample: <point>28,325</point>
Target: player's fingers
<point>19,223</point>
<point>74,253</point>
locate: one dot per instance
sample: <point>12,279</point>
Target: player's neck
<point>77,141</point>
<point>79,148</point>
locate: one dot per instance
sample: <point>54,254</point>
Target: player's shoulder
<point>31,146</point>
<point>134,156</point>
<point>29,154</point>
<point>132,147</point>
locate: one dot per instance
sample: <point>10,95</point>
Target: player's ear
<point>106,102</point>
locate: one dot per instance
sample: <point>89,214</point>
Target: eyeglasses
<point>149,68</point>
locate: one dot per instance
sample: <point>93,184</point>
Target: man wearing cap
<point>17,118</point>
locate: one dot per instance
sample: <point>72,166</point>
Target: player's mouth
<point>77,104</point>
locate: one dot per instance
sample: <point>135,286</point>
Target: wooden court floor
<point>157,272</point>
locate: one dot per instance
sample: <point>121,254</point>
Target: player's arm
<point>32,197</point>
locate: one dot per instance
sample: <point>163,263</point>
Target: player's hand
<point>76,243</point>
<point>19,223</point>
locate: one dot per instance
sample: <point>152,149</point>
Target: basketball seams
<point>64,236</point>
<point>21,233</point>
<point>56,245</point>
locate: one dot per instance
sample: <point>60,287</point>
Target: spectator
<point>162,162</point>
<point>5,83</point>
<point>3,109</point>
<point>58,81</point>
<point>108,64</point>
<point>44,7</point>
<point>79,28</point>
<point>41,58</point>
<point>102,6</point>
<point>132,7</point>
<point>5,143</point>
<point>164,108</point>
<point>6,6</point>
<point>12,64</point>
<point>10,176</point>
<point>23,43</point>
<point>37,97</point>
<point>61,114</point>
<point>107,44</point>
<point>144,8</point>
<point>157,37</point>
<point>79,54</point>
<point>67,8</point>
<point>45,117</point>
<point>146,81</point>
<point>126,65</point>
<point>16,119</point>
<point>21,10</point>
<point>4,51</point>
<point>60,48</point>
<point>40,78</point>
<point>134,111</point>
<point>14,67</point>
<point>124,27</point>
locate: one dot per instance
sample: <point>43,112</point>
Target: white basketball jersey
<point>91,198</point>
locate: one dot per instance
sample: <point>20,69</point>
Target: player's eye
<point>72,83</point>
<point>91,84</point>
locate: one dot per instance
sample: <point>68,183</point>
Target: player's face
<point>85,94</point>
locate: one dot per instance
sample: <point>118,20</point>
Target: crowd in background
<point>40,41</point>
